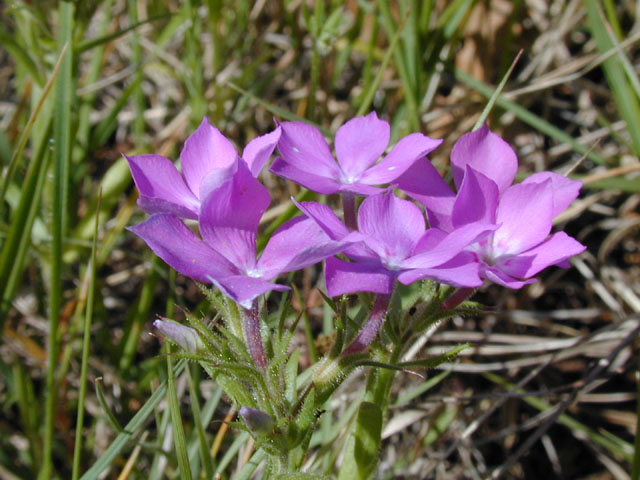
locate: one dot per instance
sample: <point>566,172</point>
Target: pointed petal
<point>316,183</point>
<point>157,205</point>
<point>431,254</point>
<point>487,153</point>
<point>423,183</point>
<point>178,246</point>
<point>205,150</point>
<point>344,277</point>
<point>392,226</point>
<point>477,200</point>
<point>359,143</point>
<point>325,218</point>
<point>162,188</point>
<point>229,217</point>
<point>496,276</point>
<point>525,214</point>
<point>461,271</point>
<point>303,147</point>
<point>258,150</point>
<point>244,290</point>
<point>401,157</point>
<point>554,251</point>
<point>297,244</point>
<point>564,189</point>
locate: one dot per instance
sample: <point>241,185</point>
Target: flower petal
<point>564,189</point>
<point>244,290</point>
<point>344,277</point>
<point>162,188</point>
<point>477,200</point>
<point>303,147</point>
<point>359,189</point>
<point>554,251</point>
<point>258,150</point>
<point>422,182</point>
<point>325,218</point>
<point>461,271</point>
<point>402,156</point>
<point>316,183</point>
<point>174,243</point>
<point>496,276</point>
<point>429,253</point>
<point>297,244</point>
<point>487,153</point>
<point>525,214</point>
<point>392,226</point>
<point>230,214</point>
<point>359,143</point>
<point>205,150</point>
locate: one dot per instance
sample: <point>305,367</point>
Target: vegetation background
<point>548,391</point>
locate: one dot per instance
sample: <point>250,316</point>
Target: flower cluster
<point>485,230</point>
<point>489,229</point>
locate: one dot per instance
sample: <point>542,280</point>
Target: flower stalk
<point>372,326</point>
<point>349,210</point>
<point>457,298</point>
<point>253,336</point>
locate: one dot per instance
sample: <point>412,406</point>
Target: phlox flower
<point>206,156</point>
<point>392,242</point>
<point>307,160</point>
<point>225,254</point>
<point>484,167</point>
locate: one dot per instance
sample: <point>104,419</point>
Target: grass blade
<point>626,102</point>
<point>487,109</point>
<point>62,147</point>
<point>86,342</point>
<point>369,94</point>
<point>529,118</point>
<point>129,429</point>
<point>14,250</point>
<point>179,438</point>
<point>22,142</point>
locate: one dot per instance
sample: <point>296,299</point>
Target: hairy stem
<point>371,328</point>
<point>457,298</point>
<point>253,336</point>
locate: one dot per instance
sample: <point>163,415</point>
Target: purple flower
<point>226,253</point>
<point>392,242</point>
<point>206,156</point>
<point>484,168</point>
<point>359,143</point>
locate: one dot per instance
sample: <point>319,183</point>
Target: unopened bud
<point>186,337</point>
<point>257,421</point>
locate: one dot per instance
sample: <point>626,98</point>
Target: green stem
<point>61,184</point>
<point>86,342</point>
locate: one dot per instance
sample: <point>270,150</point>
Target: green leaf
<point>136,422</point>
<point>530,118</point>
<point>361,457</point>
<point>94,42</point>
<point>623,94</point>
<point>179,439</point>
<point>437,360</point>
<point>291,376</point>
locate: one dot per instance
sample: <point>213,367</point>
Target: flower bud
<point>257,421</point>
<point>186,337</point>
